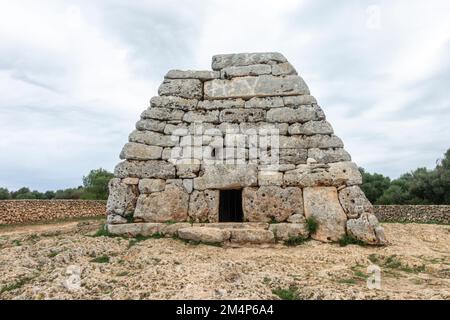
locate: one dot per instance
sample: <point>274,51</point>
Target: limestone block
<point>270,178</point>
<point>172,102</point>
<point>329,155</point>
<point>268,203</point>
<point>254,236</point>
<point>295,101</point>
<point>202,75</point>
<point>285,231</point>
<point>134,229</point>
<point>303,113</point>
<point>221,104</point>
<point>297,218</point>
<point>151,185</point>
<point>283,69</point>
<point>242,115</point>
<point>263,128</point>
<point>292,142</point>
<point>151,125</point>
<point>188,169</point>
<point>132,181</point>
<point>153,138</point>
<point>145,169</point>
<point>163,114</point>
<point>221,61</point>
<point>171,229</point>
<point>324,141</point>
<point>202,116</point>
<point>367,229</point>
<point>204,234</point>
<point>322,204</point>
<point>249,87</point>
<point>308,176</point>
<point>185,88</point>
<point>264,103</point>
<point>293,156</point>
<point>345,173</point>
<point>226,176</point>
<point>179,129</point>
<point>168,205</point>
<point>122,197</point>
<point>139,151</point>
<point>354,202</point>
<point>204,206</point>
<point>115,219</point>
<point>251,70</point>
<point>311,128</point>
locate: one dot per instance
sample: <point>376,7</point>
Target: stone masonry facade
<point>250,124</point>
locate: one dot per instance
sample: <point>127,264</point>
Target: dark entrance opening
<point>230,206</point>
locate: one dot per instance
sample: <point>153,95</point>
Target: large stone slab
<point>145,169</point>
<point>306,175</point>
<point>265,103</point>
<point>139,151</point>
<point>172,102</point>
<point>221,61</point>
<point>202,116</point>
<point>221,104</point>
<point>354,202</point>
<point>162,114</point>
<point>324,141</point>
<point>329,155</point>
<point>286,231</point>
<point>134,229</point>
<point>301,114</point>
<point>366,228</point>
<point>242,115</point>
<point>295,101</point>
<point>293,156</point>
<point>202,75</point>
<point>153,138</point>
<point>151,125</point>
<point>249,87</point>
<point>122,197</point>
<point>283,69</point>
<point>322,204</point>
<point>345,173</point>
<point>252,70</point>
<point>254,236</point>
<point>271,203</point>
<point>185,88</point>
<point>168,205</point>
<point>204,234</point>
<point>227,176</point>
<point>151,185</point>
<point>311,128</point>
<point>204,206</point>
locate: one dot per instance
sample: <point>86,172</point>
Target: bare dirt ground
<point>34,261</point>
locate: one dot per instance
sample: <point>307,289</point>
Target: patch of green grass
<point>15,285</point>
<point>373,258</point>
<point>17,243</point>
<point>101,259</point>
<point>287,294</point>
<point>170,222</point>
<point>295,241</point>
<point>272,220</point>
<point>130,218</point>
<point>103,232</point>
<point>312,224</point>
<point>348,281</point>
<point>266,280</point>
<point>140,238</point>
<point>347,239</point>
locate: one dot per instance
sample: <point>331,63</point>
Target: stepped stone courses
<point>249,124</point>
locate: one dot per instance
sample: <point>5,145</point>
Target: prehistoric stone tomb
<point>242,153</point>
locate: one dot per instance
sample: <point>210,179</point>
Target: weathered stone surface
<point>145,169</point>
<point>172,102</point>
<point>139,151</point>
<point>237,225</point>
<point>303,113</point>
<point>345,173</point>
<point>221,61</point>
<point>202,116</point>
<point>329,155</point>
<point>311,128</point>
<point>354,202</point>
<point>179,129</point>
<point>225,176</point>
<point>171,229</point>
<point>242,115</point>
<point>168,205</point>
<point>263,128</point>
<point>251,70</point>
<point>221,104</point>
<point>188,169</point>
<point>202,75</point>
<point>185,88</point>
<point>151,185</point>
<point>132,181</point>
<point>255,236</point>
<point>292,142</point>
<point>295,101</point>
<point>188,185</point>
<point>115,219</point>
<point>204,206</point>
<point>308,176</point>
<point>324,141</point>
<point>153,138</point>
<point>270,178</point>
<point>122,198</point>
<point>297,218</point>
<point>163,114</point>
<point>283,69</point>
<point>264,103</point>
<point>249,87</point>
<point>286,231</point>
<point>134,229</point>
<point>204,234</point>
<point>293,156</point>
<point>322,204</point>
<point>268,203</point>
<point>367,229</point>
<point>151,124</point>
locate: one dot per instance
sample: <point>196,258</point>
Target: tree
<point>96,184</point>
<point>4,194</point>
<point>374,185</point>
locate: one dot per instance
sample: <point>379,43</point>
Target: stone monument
<point>242,153</point>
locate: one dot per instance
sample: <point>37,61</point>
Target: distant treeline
<point>95,187</point>
<point>421,186</point>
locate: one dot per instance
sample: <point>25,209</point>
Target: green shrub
<point>348,239</point>
<point>287,294</point>
<point>312,224</point>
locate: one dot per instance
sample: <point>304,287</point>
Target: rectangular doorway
<point>230,206</point>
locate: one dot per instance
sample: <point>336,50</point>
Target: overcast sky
<point>75,75</point>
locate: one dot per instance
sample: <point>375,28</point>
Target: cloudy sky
<point>75,75</point>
